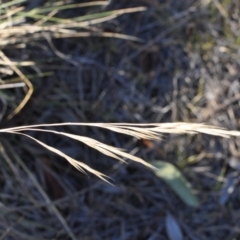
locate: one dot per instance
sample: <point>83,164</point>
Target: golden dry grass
<point>151,131</point>
<point>14,29</point>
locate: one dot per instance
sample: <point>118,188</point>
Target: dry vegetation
<point>124,64</point>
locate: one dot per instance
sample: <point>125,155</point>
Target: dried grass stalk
<point>147,131</point>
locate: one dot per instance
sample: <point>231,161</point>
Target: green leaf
<point>11,3</point>
<point>174,178</point>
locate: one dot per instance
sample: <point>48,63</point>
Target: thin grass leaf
<point>114,13</point>
<point>13,32</point>
<point>77,164</point>
<point>25,80</point>
<point>147,131</point>
<point>134,132</point>
<point>9,13</point>
<point>89,17</point>
<point>173,177</point>
<point>70,34</point>
<point>108,150</point>
<point>68,6</point>
<point>11,3</point>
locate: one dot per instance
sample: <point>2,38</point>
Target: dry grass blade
<point>11,3</point>
<point>149,131</point>
<point>24,79</point>
<point>22,63</point>
<point>108,150</point>
<point>134,132</point>
<point>12,32</point>
<point>12,85</point>
<point>38,36</point>
<point>146,131</point>
<point>77,164</point>
<point>10,13</point>
<point>71,6</point>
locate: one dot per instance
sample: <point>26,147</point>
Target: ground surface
<point>185,69</point>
